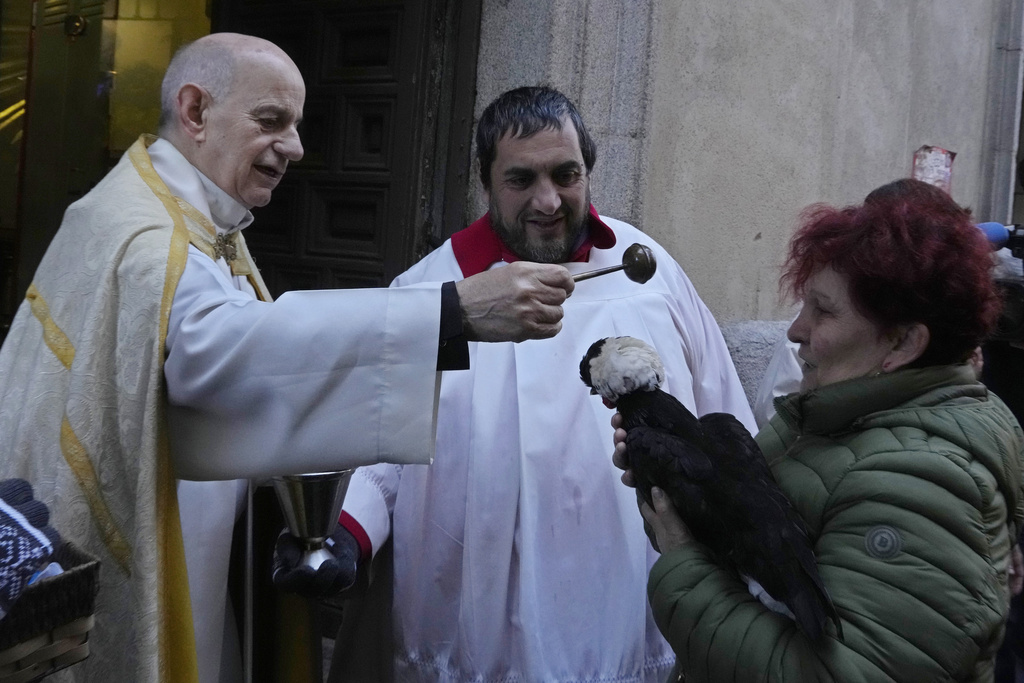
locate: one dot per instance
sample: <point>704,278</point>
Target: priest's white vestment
<point>315,381</point>
<point>518,554</point>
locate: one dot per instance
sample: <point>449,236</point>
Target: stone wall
<point>751,344</point>
<point>718,122</point>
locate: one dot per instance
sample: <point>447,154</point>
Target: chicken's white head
<point>616,366</point>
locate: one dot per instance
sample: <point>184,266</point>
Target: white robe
<point>279,374</point>
<point>208,509</point>
<point>518,554</point>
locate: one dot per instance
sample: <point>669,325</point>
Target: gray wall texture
<point>718,122</point>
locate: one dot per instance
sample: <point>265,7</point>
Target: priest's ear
<point>193,107</point>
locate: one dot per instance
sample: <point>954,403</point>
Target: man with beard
<point>517,555</point>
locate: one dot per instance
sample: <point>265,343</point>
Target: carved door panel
<point>378,78</point>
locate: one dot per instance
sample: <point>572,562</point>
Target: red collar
<point>478,246</point>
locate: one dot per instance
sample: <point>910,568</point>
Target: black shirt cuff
<point>452,346</point>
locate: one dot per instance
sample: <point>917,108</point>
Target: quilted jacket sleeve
<point>913,545</point>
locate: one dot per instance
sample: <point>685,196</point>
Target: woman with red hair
<point>906,470</point>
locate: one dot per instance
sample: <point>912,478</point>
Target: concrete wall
<point>717,122</point>
<point>595,52</point>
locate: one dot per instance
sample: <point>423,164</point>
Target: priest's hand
<point>332,577</point>
<point>520,301</point>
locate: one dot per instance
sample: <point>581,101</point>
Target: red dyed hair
<point>911,255</point>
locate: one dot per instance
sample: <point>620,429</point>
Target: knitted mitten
<point>26,539</point>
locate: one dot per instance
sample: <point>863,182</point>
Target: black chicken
<point>715,475</point>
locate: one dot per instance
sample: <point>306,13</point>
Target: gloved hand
<point>332,577</point>
<point>26,539</point>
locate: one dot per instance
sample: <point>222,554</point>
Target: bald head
<point>232,105</point>
<point>210,62</point>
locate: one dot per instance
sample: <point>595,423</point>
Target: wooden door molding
<point>387,129</point>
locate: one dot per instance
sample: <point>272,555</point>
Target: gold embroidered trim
<point>80,464</point>
<point>176,616</point>
<point>229,246</point>
<point>177,644</point>
<point>54,337</point>
<point>245,266</point>
<point>197,216</point>
<point>205,239</point>
<point>72,449</point>
<point>177,637</point>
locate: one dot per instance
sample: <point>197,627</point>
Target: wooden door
<point>387,125</point>
<point>386,131</point>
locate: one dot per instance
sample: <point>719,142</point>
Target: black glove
<point>332,577</point>
<point>26,538</point>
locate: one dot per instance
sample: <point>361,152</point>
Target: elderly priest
<point>148,355</point>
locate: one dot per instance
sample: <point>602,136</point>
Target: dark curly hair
<point>912,255</point>
<point>521,113</point>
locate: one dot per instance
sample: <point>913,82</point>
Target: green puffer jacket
<point>910,484</point>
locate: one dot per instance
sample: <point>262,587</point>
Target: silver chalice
<point>311,504</point>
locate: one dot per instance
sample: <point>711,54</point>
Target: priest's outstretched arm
<point>325,380</point>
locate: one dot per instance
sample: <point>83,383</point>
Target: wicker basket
<point>48,627</point>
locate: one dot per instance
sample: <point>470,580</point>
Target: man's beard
<point>556,250</point>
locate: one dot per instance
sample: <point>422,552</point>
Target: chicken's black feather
<point>716,476</point>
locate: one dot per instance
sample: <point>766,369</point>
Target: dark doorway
<point>390,88</point>
<point>387,128</point>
